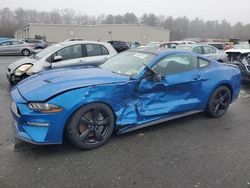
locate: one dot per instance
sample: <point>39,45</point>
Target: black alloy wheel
<point>219,102</point>
<point>91,126</point>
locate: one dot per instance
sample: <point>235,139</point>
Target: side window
<point>203,63</point>
<point>34,41</point>
<point>16,43</point>
<point>6,43</point>
<point>104,50</point>
<point>175,63</point>
<point>93,49</point>
<point>209,50</point>
<point>70,52</point>
<point>197,50</point>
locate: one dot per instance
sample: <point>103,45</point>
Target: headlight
<point>22,69</point>
<point>45,107</point>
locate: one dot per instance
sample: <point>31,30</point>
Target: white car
<point>64,54</point>
<point>239,51</point>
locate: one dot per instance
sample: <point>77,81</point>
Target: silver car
<point>64,54</point>
<point>206,50</point>
<point>15,47</point>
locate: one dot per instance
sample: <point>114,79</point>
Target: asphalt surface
<point>194,151</point>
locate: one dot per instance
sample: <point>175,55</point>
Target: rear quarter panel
<point>215,75</point>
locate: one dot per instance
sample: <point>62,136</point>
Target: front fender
<point>117,97</point>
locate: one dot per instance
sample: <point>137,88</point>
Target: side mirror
<point>57,58</point>
<point>151,76</point>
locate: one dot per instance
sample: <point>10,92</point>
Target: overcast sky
<point>231,10</point>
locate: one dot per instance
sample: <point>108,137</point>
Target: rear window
<point>123,43</point>
<point>218,46</point>
<point>203,63</point>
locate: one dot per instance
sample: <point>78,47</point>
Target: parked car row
<point>27,47</point>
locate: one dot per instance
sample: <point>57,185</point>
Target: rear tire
<point>219,102</point>
<point>25,52</point>
<point>91,126</point>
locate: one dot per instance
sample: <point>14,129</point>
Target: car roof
<point>9,40</point>
<point>214,43</point>
<point>81,42</point>
<point>193,45</point>
<point>157,51</point>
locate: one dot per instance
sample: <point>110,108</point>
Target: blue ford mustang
<point>134,89</point>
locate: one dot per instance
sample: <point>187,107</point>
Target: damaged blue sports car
<point>134,89</point>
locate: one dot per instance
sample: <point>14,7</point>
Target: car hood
<point>46,84</point>
<point>242,51</point>
<point>20,62</point>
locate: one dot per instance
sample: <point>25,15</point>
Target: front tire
<point>91,126</point>
<point>26,52</point>
<point>219,102</point>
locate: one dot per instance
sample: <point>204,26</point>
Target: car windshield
<point>48,50</point>
<point>128,63</point>
<point>183,47</point>
<point>242,46</point>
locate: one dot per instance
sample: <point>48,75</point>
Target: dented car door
<point>177,90</point>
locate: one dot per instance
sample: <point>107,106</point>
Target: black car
<point>244,66</point>
<point>119,46</point>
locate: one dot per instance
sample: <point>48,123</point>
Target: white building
<point>104,32</point>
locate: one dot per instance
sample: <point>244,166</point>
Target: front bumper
<point>13,79</point>
<point>21,135</point>
<point>34,134</point>
<point>34,127</point>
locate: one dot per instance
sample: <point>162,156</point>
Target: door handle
<point>196,78</point>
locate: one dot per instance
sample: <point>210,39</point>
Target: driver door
<point>176,92</point>
<point>71,56</point>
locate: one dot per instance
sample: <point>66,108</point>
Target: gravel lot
<point>194,151</point>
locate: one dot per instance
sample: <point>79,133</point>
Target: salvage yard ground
<point>194,151</point>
